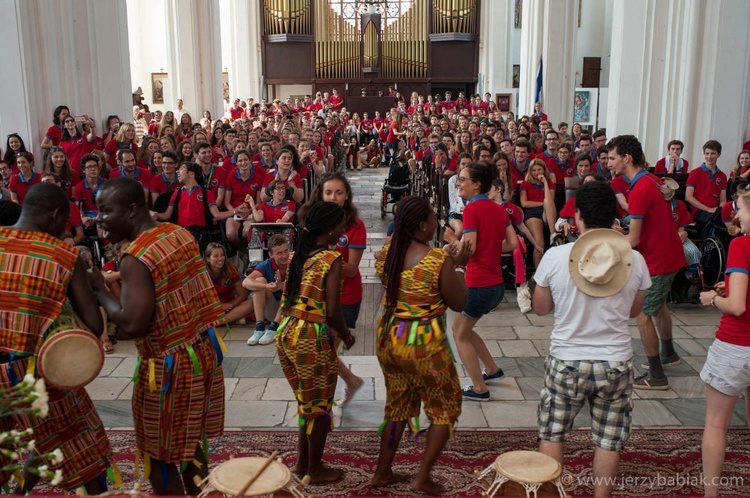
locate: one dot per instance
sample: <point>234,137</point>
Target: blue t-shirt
<point>268,269</point>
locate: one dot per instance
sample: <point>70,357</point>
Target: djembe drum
<point>253,476</point>
<point>529,469</point>
<point>69,357</point>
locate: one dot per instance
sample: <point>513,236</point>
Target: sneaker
<point>671,361</point>
<point>255,337</point>
<point>523,296</point>
<point>496,375</point>
<point>468,392</point>
<point>268,337</point>
<point>647,382</point>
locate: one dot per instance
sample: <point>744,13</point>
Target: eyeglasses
<point>69,121</point>
<point>461,179</point>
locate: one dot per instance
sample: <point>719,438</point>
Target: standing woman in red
<point>54,133</point>
<point>726,371</point>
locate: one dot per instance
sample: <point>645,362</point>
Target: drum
<point>69,356</point>
<point>265,478</point>
<point>528,469</point>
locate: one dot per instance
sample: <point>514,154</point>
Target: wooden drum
<point>528,469</point>
<point>253,476</point>
<point>69,357</point>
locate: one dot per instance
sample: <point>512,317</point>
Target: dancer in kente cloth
<point>169,306</point>
<point>311,312</point>
<point>412,348</point>
<point>39,275</point>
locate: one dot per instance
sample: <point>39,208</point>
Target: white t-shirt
<point>589,328</point>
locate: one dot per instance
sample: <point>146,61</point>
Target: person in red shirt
<point>13,146</point>
<point>127,167</point>
<point>335,100</point>
<point>54,133</point>
<point>244,182</point>
<point>489,233</point>
<point>549,156</point>
<point>539,113</point>
<point>520,162</point>
<point>21,182</point>
<point>741,170</point>
<point>214,177</point>
<point>672,163</point>
<point>236,112</point>
<point>652,232</point>
<point>227,283</point>
<point>84,194</point>
<point>124,140</point>
<point>537,194</point>
<point>276,210</point>
<point>706,190</point>
<point>166,181</point>
<point>287,162</point>
<point>74,228</point>
<point>57,163</point>
<point>76,144</point>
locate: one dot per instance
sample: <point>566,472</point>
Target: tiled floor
<point>259,397</point>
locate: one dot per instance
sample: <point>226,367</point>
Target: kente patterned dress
<point>305,343</point>
<point>35,270</point>
<point>178,398</point>
<point>413,350</point>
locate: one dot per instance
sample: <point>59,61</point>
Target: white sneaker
<point>523,295</point>
<point>257,335</point>
<point>268,337</point>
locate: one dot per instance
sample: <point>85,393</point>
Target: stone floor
<point>258,396</point>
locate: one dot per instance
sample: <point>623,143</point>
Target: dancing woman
<point>412,346</point>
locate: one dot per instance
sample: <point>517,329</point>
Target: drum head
<point>231,476</point>
<point>70,359</point>
<point>527,466</point>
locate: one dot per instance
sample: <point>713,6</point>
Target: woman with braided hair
<point>412,346</point>
<point>311,311</point>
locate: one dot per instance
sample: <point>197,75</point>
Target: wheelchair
<point>396,186</point>
<point>260,233</point>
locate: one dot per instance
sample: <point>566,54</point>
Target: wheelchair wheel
<point>713,259</point>
<point>383,205</point>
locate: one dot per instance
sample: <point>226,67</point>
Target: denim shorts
<point>351,313</point>
<point>482,300</point>
<point>727,368</point>
<point>535,212</point>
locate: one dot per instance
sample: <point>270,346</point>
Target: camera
<point>80,119</point>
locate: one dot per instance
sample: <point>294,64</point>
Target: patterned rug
<point>656,462</point>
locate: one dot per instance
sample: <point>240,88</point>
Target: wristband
<point>713,300</point>
<point>460,269</point>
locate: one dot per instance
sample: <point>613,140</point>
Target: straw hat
<point>669,188</point>
<point>600,262</point>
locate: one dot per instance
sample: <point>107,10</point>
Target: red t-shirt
<point>111,150</point>
<point>392,129</point>
<point>728,211</point>
<point>707,185</point>
<point>515,213</point>
<point>20,187</point>
<point>355,237</point>
<point>54,134</point>
<point>680,214</point>
<point>489,220</point>
<point>552,165</point>
<point>272,214</point>
<point>224,286</point>
<point>271,176</point>
<point>75,218</point>
<point>661,166</point>
<point>517,172</point>
<point>659,245</point>
<point>75,148</point>
<point>238,189</point>
<point>160,185</point>
<point>236,112</point>
<point>142,176</point>
<point>535,191</point>
<point>620,186</point>
<point>216,179</point>
<point>733,329</point>
<point>84,193</point>
<point>191,208</point>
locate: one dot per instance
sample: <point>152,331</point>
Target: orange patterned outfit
<point>178,399</point>
<point>413,350</point>
<point>305,343</point>
<point>35,270</point>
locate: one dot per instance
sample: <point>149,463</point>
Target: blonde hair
<point>536,162</point>
<point>124,128</point>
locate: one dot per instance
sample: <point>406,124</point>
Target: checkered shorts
<point>607,385</point>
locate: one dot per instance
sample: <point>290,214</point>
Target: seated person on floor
<point>228,284</point>
<point>266,282</point>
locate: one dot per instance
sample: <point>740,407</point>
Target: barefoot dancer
<point>305,338</point>
<point>413,349</point>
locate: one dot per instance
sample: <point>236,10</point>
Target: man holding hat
<point>594,286</point>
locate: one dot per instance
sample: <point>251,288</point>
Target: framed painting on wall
<point>504,101</point>
<point>584,106</point>
<point>158,82</point>
<point>516,76</point>
<point>225,85</point>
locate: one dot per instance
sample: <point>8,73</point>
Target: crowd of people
<point>180,199</point>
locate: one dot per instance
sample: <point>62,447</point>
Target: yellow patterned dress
<point>305,343</point>
<point>413,350</point>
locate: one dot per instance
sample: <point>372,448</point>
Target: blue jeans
<point>482,300</point>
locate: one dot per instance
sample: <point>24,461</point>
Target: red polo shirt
<point>272,214</point>
<point>20,186</point>
<point>238,188</point>
<point>86,194</point>
<point>355,237</point>
<point>733,329</point>
<point>141,175</point>
<point>191,208</point>
<point>707,185</point>
<point>489,220</point>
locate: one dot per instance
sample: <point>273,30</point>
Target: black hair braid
<point>412,210</point>
<point>321,217</point>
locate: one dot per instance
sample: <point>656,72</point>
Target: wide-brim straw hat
<point>601,261</point>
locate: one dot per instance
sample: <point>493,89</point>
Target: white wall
<point>148,48</point>
<point>284,91</point>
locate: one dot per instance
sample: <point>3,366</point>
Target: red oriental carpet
<point>655,462</point>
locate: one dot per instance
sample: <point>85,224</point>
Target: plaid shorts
<point>607,385</point>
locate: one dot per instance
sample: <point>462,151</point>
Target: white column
<point>244,64</point>
<point>56,53</point>
<point>532,35</point>
<point>558,53</point>
<point>688,95</point>
<point>495,46</point>
<point>194,55</point>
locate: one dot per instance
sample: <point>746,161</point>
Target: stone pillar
<point>194,55</point>
<point>56,53</point>
<point>245,69</point>
<point>559,55</point>
<point>687,95</point>
<point>495,45</point>
<point>532,39</point>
